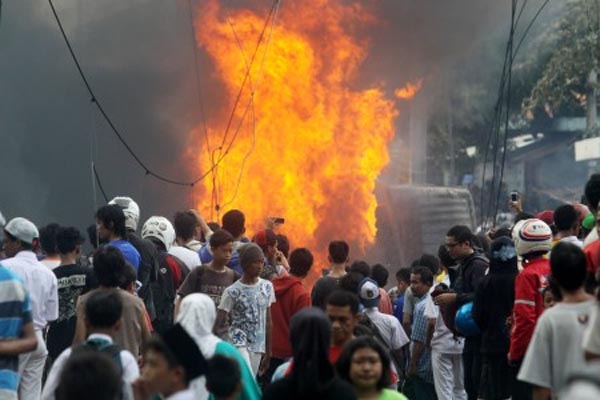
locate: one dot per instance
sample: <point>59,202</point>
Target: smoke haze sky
<point>138,57</point>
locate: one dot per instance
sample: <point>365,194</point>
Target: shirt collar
<point>26,254</point>
<point>102,336</point>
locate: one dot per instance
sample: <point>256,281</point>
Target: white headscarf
<point>197,316</point>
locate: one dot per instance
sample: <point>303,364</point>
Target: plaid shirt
<point>419,334</point>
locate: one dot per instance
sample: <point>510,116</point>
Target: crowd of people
<point>197,310</point>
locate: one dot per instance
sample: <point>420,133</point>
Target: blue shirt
<point>399,307</point>
<point>130,253</point>
<point>15,313</point>
<point>419,334</point>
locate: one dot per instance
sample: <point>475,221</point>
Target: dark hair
<point>444,256</point>
<point>89,375</point>
<point>301,260</point>
<point>220,238</point>
<point>185,225</point>
<point>67,239</point>
<point>343,298</point>
<point>553,288</point>
<point>425,275</point>
<point>380,274</point>
<point>592,192</point>
<point>523,216</point>
<point>103,309</point>
<point>24,245</point>
<point>223,376</point>
<point>283,245</point>
<point>48,238</point>
<point>234,222</point>
<point>502,232</point>
<point>568,265</point>
<point>430,261</point>
<point>565,217</point>
<point>360,267</point>
<point>461,233</point>
<point>364,342</point>
<point>157,345</point>
<point>351,281</point>
<point>338,251</point>
<point>108,266</point>
<point>403,274</point>
<point>128,276</point>
<point>113,218</point>
<point>92,232</point>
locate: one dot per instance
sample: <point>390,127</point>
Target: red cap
<point>547,216</point>
<point>265,238</point>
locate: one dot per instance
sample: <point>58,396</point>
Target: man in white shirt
<point>446,355</point>
<point>21,236</point>
<point>185,230</point>
<point>103,312</point>
<point>388,326</point>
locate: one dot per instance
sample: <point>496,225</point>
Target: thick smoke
<point>138,57</point>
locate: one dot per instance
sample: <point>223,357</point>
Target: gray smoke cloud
<point>138,57</point>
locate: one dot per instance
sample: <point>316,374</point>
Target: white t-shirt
<point>190,258</point>
<point>443,340</point>
<point>555,348</point>
<point>591,237</point>
<point>591,337</point>
<point>573,240</point>
<point>389,327</point>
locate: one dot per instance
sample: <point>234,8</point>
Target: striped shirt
<point>15,312</point>
<point>419,334</point>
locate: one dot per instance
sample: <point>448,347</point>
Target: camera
<point>514,196</point>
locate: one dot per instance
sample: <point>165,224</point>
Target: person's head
<point>20,234</point>
<point>160,231</point>
<point>197,315</point>
<point>350,282</point>
<point>532,238</point>
<point>251,259</point>
<point>310,337</point>
<point>48,239</point>
<point>368,293</point>
<point>103,311</point>
<point>131,210</point>
<point>339,252</point>
<point>69,241</point>
<point>361,267</point>
<point>403,279</point>
<point>109,265</point>
<point>223,378</point>
<point>185,225</point>
<point>503,255</point>
<point>380,274</point>
<point>283,245</point>
<point>459,242</point>
<point>301,261</point>
<point>221,245</point>
<point>566,219</point>
<point>365,363</point>
<point>446,261</point>
<point>421,280</point>
<point>89,375</point>
<point>110,221</point>
<point>430,261</point>
<point>342,310</point>
<point>92,232</point>
<point>172,361</point>
<point>266,239</point>
<point>549,300</point>
<point>234,222</point>
<point>568,266</point>
<point>128,278</point>
<point>592,192</point>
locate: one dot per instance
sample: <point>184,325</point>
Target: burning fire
<point>409,91</point>
<point>310,145</point>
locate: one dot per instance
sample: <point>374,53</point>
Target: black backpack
<point>164,291</point>
<point>113,351</point>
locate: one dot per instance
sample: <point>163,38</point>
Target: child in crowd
<point>248,303</point>
<point>224,378</point>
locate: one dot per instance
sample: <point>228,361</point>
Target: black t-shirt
<point>73,281</point>
<point>284,388</point>
<point>323,287</point>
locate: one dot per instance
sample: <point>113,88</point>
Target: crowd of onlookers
<point>195,310</point>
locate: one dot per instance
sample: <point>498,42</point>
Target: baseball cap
<point>22,229</point>
<point>264,238</point>
<point>368,292</point>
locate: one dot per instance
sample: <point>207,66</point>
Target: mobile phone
<point>279,220</point>
<point>514,196</point>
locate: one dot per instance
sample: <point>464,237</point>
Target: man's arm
<point>177,307</point>
<point>221,320</point>
<point>541,393</point>
<point>266,360</point>
<point>523,316</point>
<point>80,333</point>
<point>417,350</point>
<point>24,344</point>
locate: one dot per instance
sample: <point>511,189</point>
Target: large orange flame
<point>409,91</point>
<point>310,145</point>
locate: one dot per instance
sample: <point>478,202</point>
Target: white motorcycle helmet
<point>130,209</point>
<point>532,235</point>
<point>159,228</point>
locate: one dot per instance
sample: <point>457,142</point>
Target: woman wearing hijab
<point>311,376</point>
<point>492,308</point>
<point>197,316</point>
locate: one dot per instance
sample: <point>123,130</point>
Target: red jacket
<point>291,296</point>
<point>529,304</point>
<point>592,256</point>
